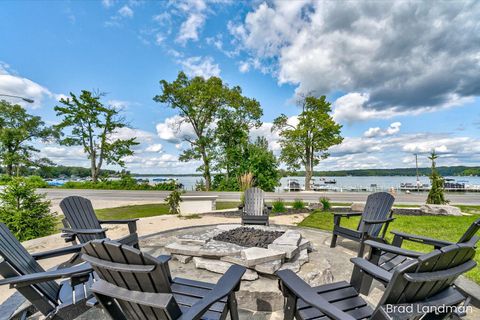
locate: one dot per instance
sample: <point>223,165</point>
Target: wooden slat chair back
<point>429,275</point>
<point>470,233</point>
<point>377,207</point>
<point>80,215</point>
<point>130,269</point>
<point>254,202</point>
<point>17,261</point>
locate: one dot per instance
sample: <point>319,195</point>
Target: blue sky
<point>402,77</point>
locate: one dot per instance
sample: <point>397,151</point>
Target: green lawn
<point>438,227</point>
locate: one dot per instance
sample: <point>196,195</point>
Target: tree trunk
<point>308,178</point>
<point>308,169</point>
<point>93,170</point>
<point>206,170</point>
<point>9,169</point>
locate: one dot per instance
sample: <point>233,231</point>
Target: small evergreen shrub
<point>37,182</point>
<point>278,206</point>
<point>298,204</point>
<point>173,200</point>
<point>326,204</point>
<point>26,213</point>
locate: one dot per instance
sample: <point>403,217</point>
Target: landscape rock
<point>290,251</point>
<point>221,267</point>
<point>219,249</point>
<point>182,258</point>
<point>237,259</point>
<point>357,207</point>
<point>305,244</point>
<point>289,238</point>
<point>315,206</point>
<point>183,249</point>
<point>442,210</point>
<point>254,255</point>
<point>269,267</point>
<point>297,262</point>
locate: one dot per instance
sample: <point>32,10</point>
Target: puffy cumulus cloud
<point>125,12</point>
<point>200,66</point>
<point>196,16</point>
<point>157,147</point>
<point>265,130</point>
<point>397,56</point>
<point>13,84</point>
<point>129,133</point>
<point>175,129</point>
<point>394,128</point>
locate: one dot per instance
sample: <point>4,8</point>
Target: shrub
<point>173,200</point>
<point>200,185</point>
<point>26,213</point>
<point>125,183</point>
<point>278,206</point>
<point>326,203</point>
<point>298,204</point>
<point>37,182</point>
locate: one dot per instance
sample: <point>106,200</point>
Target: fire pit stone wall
<point>261,249</point>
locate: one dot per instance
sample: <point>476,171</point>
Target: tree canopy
<point>93,126</point>
<point>307,141</point>
<point>205,104</point>
<point>18,129</point>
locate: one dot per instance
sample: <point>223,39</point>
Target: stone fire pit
<point>261,249</point>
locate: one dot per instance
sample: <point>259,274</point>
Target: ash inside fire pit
<point>249,237</point>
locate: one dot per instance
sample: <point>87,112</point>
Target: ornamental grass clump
<point>298,204</point>
<point>245,181</point>
<point>278,206</point>
<point>325,203</point>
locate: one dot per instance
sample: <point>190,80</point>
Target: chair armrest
<point>164,258</point>
<point>392,249</point>
<point>151,299</point>
<point>347,214</point>
<point>240,206</point>
<point>421,239</point>
<point>269,207</point>
<point>57,252</point>
<point>84,231</point>
<point>303,291</point>
<point>124,221</point>
<point>372,269</point>
<point>227,283</point>
<point>378,221</point>
<point>29,279</point>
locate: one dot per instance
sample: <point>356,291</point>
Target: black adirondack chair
<point>377,214</point>
<point>254,209</point>
<point>426,281</point>
<point>135,285</point>
<point>383,258</point>
<point>82,224</point>
<point>21,271</point>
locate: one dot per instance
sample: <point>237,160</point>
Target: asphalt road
<point>135,196</point>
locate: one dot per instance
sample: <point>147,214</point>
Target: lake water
<point>343,183</point>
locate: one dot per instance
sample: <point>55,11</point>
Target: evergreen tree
<point>26,213</point>
<point>436,193</point>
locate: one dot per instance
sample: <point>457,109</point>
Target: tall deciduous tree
<point>202,103</point>
<point>307,142</point>
<point>93,126</point>
<point>17,130</point>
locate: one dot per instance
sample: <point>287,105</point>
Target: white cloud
<point>125,12</point>
<point>189,28</point>
<point>404,57</point>
<point>108,3</point>
<point>394,128</point>
<point>12,84</point>
<point>244,67</point>
<point>175,129</point>
<point>129,133</point>
<point>154,148</point>
<point>200,66</point>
